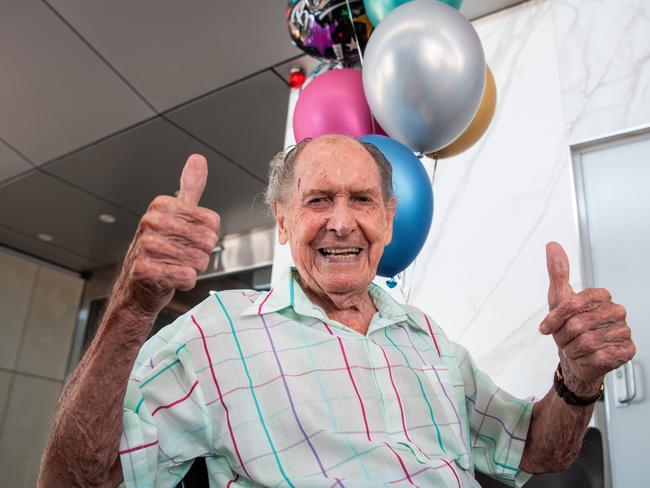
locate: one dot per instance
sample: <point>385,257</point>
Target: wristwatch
<point>568,396</point>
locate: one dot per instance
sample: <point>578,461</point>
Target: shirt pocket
<point>449,394</point>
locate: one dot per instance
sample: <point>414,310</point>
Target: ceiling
<point>103,102</point>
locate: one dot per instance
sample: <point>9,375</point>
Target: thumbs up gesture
<point>590,330</point>
<point>172,245</point>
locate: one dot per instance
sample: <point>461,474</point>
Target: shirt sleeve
<point>165,422</point>
<point>498,423</point>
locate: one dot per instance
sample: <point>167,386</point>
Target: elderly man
<point>324,380</point>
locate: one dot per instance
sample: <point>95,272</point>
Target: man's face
<point>335,217</point>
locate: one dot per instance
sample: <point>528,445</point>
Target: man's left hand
<point>589,329</point>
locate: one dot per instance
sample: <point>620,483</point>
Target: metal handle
<point>630,386</point>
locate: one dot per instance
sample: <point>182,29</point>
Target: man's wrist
<point>576,393</point>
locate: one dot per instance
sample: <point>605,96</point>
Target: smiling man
<point>323,381</point>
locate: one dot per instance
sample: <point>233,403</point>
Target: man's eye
<point>363,199</point>
<point>317,200</point>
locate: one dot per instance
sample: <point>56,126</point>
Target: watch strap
<point>568,396</point>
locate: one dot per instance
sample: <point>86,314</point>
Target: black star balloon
<point>329,29</point>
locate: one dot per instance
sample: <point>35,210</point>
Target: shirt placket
<point>395,420</point>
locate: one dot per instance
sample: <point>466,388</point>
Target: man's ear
<point>390,215</point>
<point>278,212</point>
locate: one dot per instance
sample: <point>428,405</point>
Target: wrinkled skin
<point>589,329</point>
<point>593,338</point>
<point>171,246</point>
<point>335,203</point>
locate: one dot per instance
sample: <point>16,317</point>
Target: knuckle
<point>575,325</point>
<point>202,262</point>
<point>149,219</point>
<point>601,294</point>
<point>186,278</point>
<point>619,312</point>
<point>211,218</point>
<point>160,202</point>
<point>141,270</point>
<point>587,342</point>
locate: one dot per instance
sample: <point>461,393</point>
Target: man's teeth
<point>348,251</point>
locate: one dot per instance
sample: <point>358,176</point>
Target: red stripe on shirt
<point>347,365</point>
<point>176,402</point>
<point>259,310</point>
<point>399,400</point>
<point>137,448</point>
<point>408,476</point>
<point>453,471</point>
<point>234,480</point>
<point>433,336</point>
<point>223,404</point>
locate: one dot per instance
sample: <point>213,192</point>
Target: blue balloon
<point>414,205</point>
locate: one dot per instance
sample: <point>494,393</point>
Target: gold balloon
<point>479,124</point>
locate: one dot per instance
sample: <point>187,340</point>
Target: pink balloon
<point>333,103</point>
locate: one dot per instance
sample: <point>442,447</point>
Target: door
<point>613,189</point>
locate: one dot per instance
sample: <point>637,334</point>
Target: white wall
<point>566,70</point>
<point>38,309</point>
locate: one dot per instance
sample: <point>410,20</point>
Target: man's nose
<point>342,220</point>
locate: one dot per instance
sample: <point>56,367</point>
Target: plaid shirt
<point>273,393</point>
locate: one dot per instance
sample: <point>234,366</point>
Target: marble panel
<point>604,64</point>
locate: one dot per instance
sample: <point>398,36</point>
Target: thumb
<point>193,179</point>
<point>557,264</point>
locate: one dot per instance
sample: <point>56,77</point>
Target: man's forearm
<point>555,435</point>
<point>83,446</point>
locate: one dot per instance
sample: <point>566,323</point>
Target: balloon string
<point>435,168</point>
<point>356,38</point>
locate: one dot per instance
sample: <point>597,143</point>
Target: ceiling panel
<point>244,121</point>
<point>174,51</point>
<point>131,168</point>
<point>55,94</point>
<point>11,163</point>
<point>41,204</point>
<point>46,251</point>
<point>307,63</point>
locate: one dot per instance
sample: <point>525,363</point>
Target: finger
<point>608,358</point>
<point>617,334</point>
<point>191,235</point>
<point>584,301</point>
<point>193,179</point>
<point>602,316</point>
<point>169,252</point>
<point>557,264</point>
<point>187,212</point>
<point>162,278</point>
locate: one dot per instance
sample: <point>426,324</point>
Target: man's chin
<point>342,283</point>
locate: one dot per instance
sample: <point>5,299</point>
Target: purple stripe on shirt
<point>485,414</point>
<point>293,407</point>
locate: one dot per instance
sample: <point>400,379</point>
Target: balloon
<point>323,28</point>
<point>479,124</point>
<point>414,205</point>
<point>333,103</point>
<point>378,9</point>
<point>424,74</point>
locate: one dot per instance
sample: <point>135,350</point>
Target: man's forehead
<point>331,151</point>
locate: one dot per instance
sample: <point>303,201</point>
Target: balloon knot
<point>391,283</point>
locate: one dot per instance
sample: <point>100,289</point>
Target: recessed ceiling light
<point>107,218</point>
<point>45,237</point>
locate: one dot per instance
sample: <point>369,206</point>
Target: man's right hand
<point>172,244</point>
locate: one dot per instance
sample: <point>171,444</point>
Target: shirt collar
<point>288,293</point>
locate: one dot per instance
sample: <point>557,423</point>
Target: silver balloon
<point>423,74</point>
